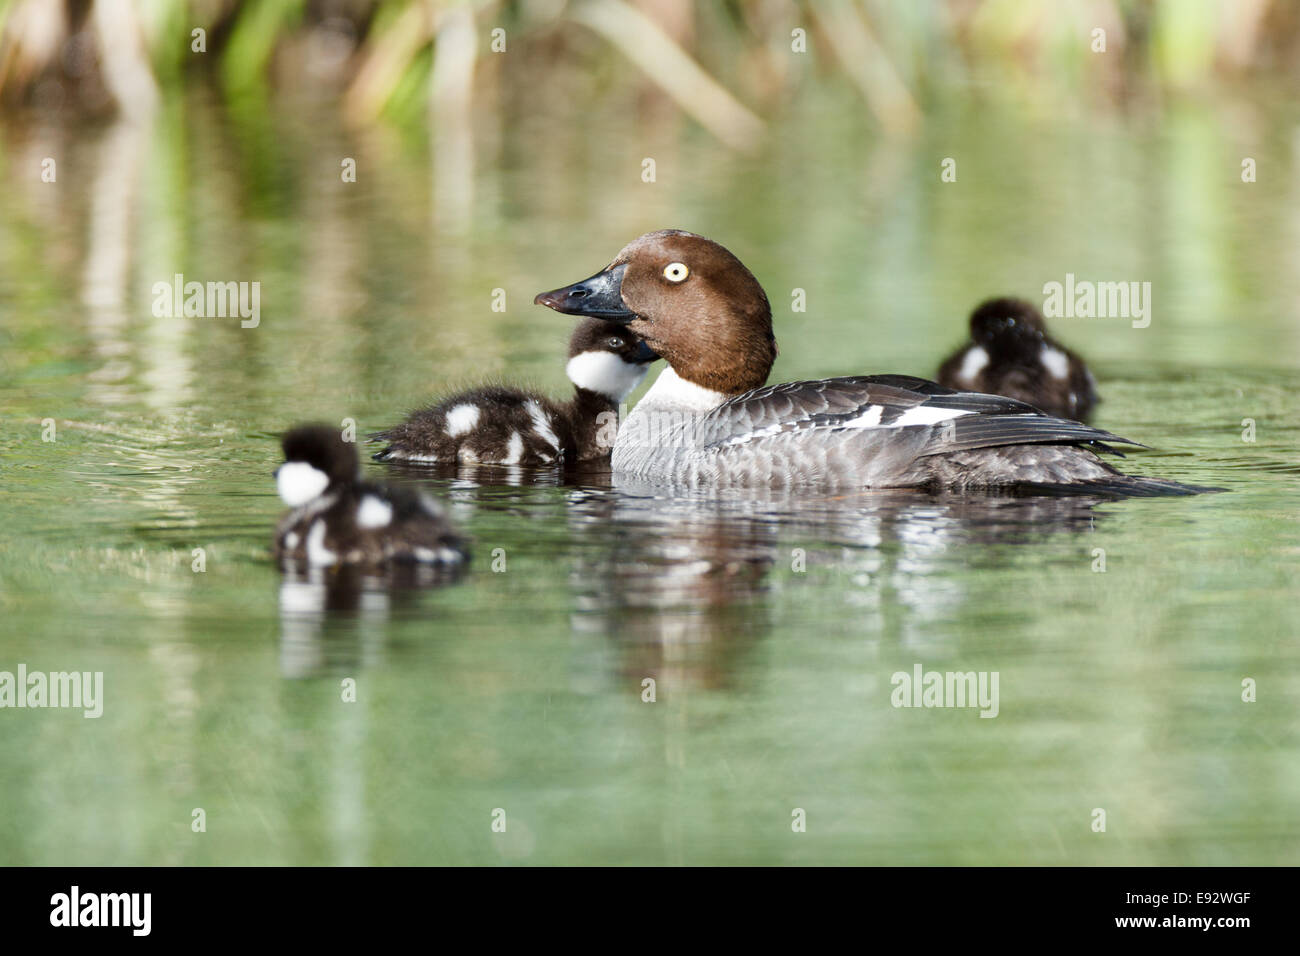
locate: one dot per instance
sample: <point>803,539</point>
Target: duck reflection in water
<point>332,620</point>
<point>675,587</point>
<point>685,585</point>
<point>674,581</point>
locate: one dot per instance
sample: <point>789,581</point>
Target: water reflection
<point>672,582</point>
<point>333,620</point>
<point>675,578</point>
<point>106,275</point>
<point>679,581</point>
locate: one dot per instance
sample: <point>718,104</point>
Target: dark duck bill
<point>600,297</point>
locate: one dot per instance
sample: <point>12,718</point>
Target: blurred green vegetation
<point>729,65</point>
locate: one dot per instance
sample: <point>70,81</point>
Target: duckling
<point>1012,355</point>
<point>501,425</point>
<point>337,518</point>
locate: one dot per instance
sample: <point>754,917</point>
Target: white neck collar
<point>670,390</point>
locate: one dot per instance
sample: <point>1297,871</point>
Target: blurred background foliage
<point>726,64</point>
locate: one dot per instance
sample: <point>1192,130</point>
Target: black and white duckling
<point>337,518</point>
<point>501,425</point>
<point>1011,354</point>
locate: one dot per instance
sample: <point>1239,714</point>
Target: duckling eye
<point>676,272</point>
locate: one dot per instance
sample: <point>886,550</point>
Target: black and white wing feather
<point>881,405</point>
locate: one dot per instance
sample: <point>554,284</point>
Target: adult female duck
<point>709,419</point>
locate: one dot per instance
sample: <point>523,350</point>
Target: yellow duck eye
<point>676,272</point>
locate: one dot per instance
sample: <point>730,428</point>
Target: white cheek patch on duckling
<point>1056,361</point>
<point>605,374</point>
<point>298,483</point>
<point>972,364</point>
<point>374,513</point>
<point>542,424</point>
<point>462,419</point>
<point>317,553</point>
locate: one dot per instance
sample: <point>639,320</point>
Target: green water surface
<point>770,626</point>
